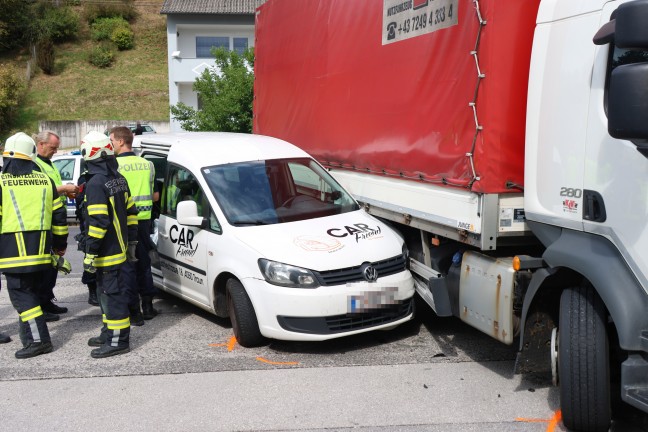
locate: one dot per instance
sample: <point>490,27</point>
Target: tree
<point>15,23</point>
<point>225,92</point>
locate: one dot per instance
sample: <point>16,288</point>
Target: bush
<point>12,90</point>
<point>45,55</point>
<point>101,56</point>
<point>123,38</point>
<point>124,9</point>
<point>62,24</point>
<point>103,28</point>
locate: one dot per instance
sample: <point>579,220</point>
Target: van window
<point>276,191</point>
<point>183,186</point>
<point>65,167</point>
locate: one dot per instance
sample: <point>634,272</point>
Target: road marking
<point>552,422</point>
<point>261,359</point>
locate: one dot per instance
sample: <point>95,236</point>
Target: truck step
<point>637,397</point>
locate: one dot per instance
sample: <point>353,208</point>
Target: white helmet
<point>20,146</point>
<point>96,145</point>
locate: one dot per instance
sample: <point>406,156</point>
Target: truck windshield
<point>276,191</point>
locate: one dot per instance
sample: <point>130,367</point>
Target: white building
<point>193,28</point>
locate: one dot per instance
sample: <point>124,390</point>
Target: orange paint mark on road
<point>217,345</point>
<point>557,418</point>
<point>261,359</point>
<point>531,420</point>
<point>231,343</point>
<point>552,422</point>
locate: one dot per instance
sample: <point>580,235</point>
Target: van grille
<point>347,322</point>
<point>354,274</point>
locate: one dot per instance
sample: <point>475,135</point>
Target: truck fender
<point>599,261</point>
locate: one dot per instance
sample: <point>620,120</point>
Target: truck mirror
<point>628,27</point>
<point>628,104</point>
<point>187,214</point>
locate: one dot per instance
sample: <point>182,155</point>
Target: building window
<point>204,44</point>
<point>240,44</point>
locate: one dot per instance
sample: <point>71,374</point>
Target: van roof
<point>216,148</point>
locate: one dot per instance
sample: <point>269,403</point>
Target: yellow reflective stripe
<point>41,245</point>
<point>131,219</point>
<point>24,261</point>
<point>118,324</point>
<point>31,314</point>
<point>56,204</point>
<point>20,244</point>
<point>117,225</point>
<point>130,203</point>
<point>96,232</point>
<point>110,260</point>
<point>103,318</point>
<point>60,229</point>
<point>98,209</point>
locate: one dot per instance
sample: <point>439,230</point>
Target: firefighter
<point>30,231</point>
<point>111,239</point>
<point>140,175</point>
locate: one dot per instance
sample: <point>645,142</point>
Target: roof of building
<point>210,6</point>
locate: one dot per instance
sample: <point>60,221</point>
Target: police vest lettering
<point>134,166</point>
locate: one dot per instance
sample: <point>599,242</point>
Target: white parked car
<point>253,228</point>
<point>70,166</point>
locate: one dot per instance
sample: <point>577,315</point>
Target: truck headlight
<point>286,275</point>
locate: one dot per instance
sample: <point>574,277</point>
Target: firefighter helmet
<point>20,146</point>
<point>96,145</point>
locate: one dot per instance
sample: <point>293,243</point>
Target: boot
<point>49,317</point>
<point>4,338</point>
<point>50,307</point>
<point>33,349</point>
<point>136,317</point>
<point>147,308</point>
<point>108,351</point>
<point>96,341</point>
<point>92,295</point>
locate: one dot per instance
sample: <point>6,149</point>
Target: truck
<point>507,141</point>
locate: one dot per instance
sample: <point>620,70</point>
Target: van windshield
<point>276,191</point>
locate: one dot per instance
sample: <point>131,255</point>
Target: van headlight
<point>286,275</point>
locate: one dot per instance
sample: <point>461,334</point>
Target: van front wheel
<point>241,312</point>
<point>583,360</point>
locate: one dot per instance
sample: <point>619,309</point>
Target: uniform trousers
<point>113,300</point>
<point>23,292</point>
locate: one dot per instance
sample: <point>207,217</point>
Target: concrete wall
<point>71,131</point>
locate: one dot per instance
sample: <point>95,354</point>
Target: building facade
<point>193,28</point>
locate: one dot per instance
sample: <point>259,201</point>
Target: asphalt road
<point>186,373</point>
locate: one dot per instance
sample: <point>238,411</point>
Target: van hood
<point>327,243</point>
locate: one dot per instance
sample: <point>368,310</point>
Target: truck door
<point>615,194</point>
<point>183,249</point>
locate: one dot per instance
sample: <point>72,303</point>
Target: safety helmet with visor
<point>20,146</point>
<point>96,145</point>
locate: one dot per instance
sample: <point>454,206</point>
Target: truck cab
<point>254,229</point>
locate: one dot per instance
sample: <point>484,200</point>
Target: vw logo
<point>369,273</point>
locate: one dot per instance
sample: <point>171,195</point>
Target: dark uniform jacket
<point>110,216</point>
<point>33,221</point>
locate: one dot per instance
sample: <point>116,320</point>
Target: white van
<point>253,228</point>
<point>70,166</point>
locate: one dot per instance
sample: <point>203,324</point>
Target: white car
<point>70,166</point>
<point>253,228</point>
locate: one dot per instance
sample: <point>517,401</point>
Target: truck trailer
<point>507,141</point>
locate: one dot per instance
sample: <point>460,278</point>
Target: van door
<point>160,164</point>
<point>183,249</point>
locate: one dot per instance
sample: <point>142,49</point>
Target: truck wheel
<point>241,312</point>
<point>583,361</point>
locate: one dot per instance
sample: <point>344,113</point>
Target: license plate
<point>371,300</point>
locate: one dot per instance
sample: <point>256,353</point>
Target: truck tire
<point>242,315</point>
<point>583,361</point>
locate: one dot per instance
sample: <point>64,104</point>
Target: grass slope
<point>135,87</point>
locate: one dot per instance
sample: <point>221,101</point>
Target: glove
<point>88,263</point>
<point>61,264</point>
<point>130,252</point>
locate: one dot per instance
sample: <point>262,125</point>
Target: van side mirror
<point>187,214</point>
